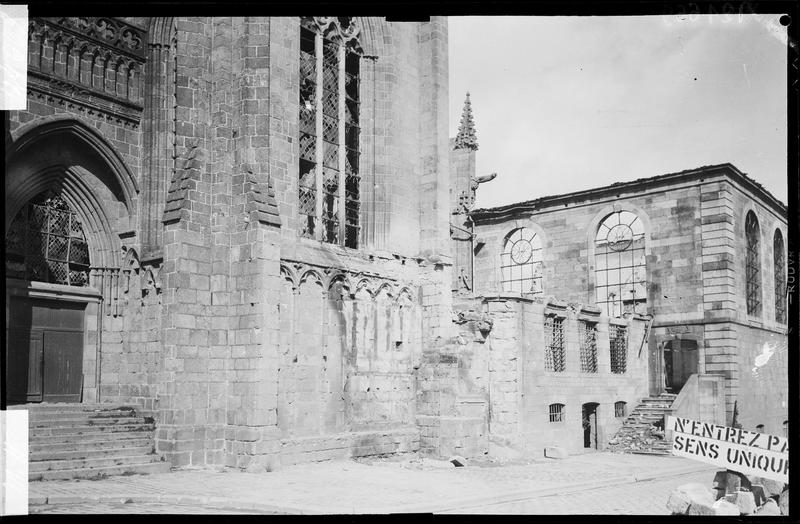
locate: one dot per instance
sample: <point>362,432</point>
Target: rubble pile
<point>643,430</point>
<point>731,494</point>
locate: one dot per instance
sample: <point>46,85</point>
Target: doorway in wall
<point>680,362</point>
<point>589,412</point>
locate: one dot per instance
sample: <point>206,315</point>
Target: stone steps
<point>90,473</point>
<point>99,443</point>
<point>69,441</point>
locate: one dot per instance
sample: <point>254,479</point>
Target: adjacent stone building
<point>701,252</point>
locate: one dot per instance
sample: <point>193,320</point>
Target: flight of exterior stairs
<point>68,441</point>
<point>643,430</point>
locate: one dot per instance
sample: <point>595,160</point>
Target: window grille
<point>588,332</point>
<point>46,243</point>
<point>620,270</point>
<point>618,345</point>
<point>780,277</point>
<point>752,265</point>
<point>521,262</point>
<point>785,428</point>
<point>556,412</point>
<point>555,358</point>
<point>329,112</point>
<point>619,409</point>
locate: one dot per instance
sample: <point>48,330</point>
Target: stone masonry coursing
<point>695,267</point>
<point>251,346</point>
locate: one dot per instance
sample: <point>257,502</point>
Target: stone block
<point>744,500</point>
<point>458,461</point>
<point>771,487</point>
<point>684,496</point>
<point>723,507</point>
<point>783,502</point>
<point>556,452</point>
<point>770,508</point>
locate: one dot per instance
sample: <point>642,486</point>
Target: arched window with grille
<point>521,262</point>
<point>556,412</point>
<point>780,277</point>
<point>620,271</point>
<point>46,243</point>
<point>620,409</point>
<point>329,129</point>
<point>752,264</point>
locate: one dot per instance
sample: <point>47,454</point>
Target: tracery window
<point>620,272</point>
<point>556,412</point>
<point>521,262</point>
<point>618,348</point>
<point>329,111</point>
<point>46,243</point>
<point>588,332</point>
<point>752,264</point>
<point>554,357</point>
<point>780,277</point>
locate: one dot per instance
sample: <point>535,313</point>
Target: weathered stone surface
<point>555,452</point>
<point>723,507</point>
<point>701,508</point>
<point>734,481</point>
<point>770,507</point>
<point>758,494</point>
<point>685,496</point>
<point>771,487</point>
<point>743,500</point>
<point>783,502</point>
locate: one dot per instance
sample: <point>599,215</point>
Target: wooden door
<point>24,366</point>
<point>680,362</point>
<point>45,350</point>
<point>63,366</point>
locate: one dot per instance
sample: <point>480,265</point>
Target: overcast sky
<point>569,103</point>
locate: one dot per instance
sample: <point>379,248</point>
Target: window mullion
<point>342,145</point>
<point>318,52</point>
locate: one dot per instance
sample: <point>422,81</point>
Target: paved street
<point>647,497</point>
<point>599,483</point>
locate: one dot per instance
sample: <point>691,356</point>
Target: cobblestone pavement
<point>398,484</point>
<point>648,497</point>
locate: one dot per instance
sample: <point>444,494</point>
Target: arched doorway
<point>589,415</point>
<point>680,362</point>
<point>45,243</point>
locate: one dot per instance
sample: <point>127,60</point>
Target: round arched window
<point>46,243</point>
<point>620,275</point>
<point>521,262</point>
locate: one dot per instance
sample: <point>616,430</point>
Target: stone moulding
<point>333,28</point>
<point>352,281</point>
<point>79,97</point>
<point>122,37</point>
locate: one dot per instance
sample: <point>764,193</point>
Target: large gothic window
<point>752,264</point>
<point>780,277</point>
<point>45,243</point>
<point>329,110</point>
<point>620,273</point>
<point>521,262</point>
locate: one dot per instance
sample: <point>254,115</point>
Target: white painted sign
<point>747,452</point>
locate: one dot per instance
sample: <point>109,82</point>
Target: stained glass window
<point>521,262</point>
<point>752,264</point>
<point>46,243</point>
<point>329,106</point>
<point>620,272</point>
<point>780,277</point>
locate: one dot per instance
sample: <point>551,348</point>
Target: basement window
<point>619,409</point>
<point>556,412</point>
